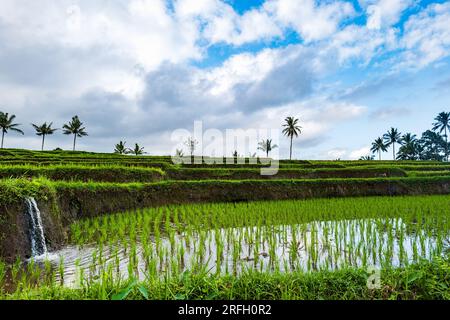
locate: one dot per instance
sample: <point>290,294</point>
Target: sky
<point>137,70</point>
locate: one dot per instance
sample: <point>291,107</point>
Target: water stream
<point>36,230</point>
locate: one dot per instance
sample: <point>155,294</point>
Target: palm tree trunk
<point>290,153</point>
<point>379,154</point>
<point>393,151</point>
<point>74,141</point>
<point>3,137</point>
<point>446,144</point>
<point>43,140</point>
<point>267,154</point>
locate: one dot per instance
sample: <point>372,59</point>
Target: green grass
<point>418,279</point>
<point>110,187</point>
<point>15,190</point>
<point>111,173</point>
<point>424,281</point>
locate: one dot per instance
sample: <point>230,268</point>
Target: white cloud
<point>358,153</point>
<point>336,153</point>
<point>426,37</point>
<point>229,27</point>
<point>131,62</point>
<point>384,13</point>
<point>311,20</point>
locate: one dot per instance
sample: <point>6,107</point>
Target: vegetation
<point>291,130</point>
<point>391,138</point>
<point>408,147</point>
<point>378,146</point>
<point>137,150</point>
<point>76,128</point>
<point>315,249</point>
<point>44,130</point>
<point>121,148</point>
<point>7,124</point>
<point>143,227</point>
<point>266,146</point>
<point>367,158</point>
<point>443,124</point>
<point>432,146</point>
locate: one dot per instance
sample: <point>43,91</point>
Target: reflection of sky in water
<point>307,247</point>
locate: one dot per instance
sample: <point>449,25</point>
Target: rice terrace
<point>141,227</point>
<point>186,155</point>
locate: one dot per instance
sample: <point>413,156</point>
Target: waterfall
<point>38,246</point>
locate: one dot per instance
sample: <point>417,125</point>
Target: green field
<point>127,227</point>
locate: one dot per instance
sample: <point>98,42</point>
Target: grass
<point>15,190</point>
<point>109,173</point>
<point>225,247</point>
<point>168,252</point>
<point>424,281</point>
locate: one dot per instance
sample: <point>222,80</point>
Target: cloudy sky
<point>137,70</point>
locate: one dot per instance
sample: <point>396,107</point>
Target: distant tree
<point>235,154</point>
<point>378,146</point>
<point>44,130</point>
<point>266,146</point>
<point>433,146</point>
<point>6,124</point>
<point>76,128</point>
<point>120,148</point>
<point>391,138</point>
<point>420,150</point>
<point>191,144</point>
<point>291,130</point>
<point>367,158</point>
<point>137,150</point>
<point>408,149</point>
<point>443,124</point>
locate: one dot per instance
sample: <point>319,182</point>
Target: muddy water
<point>308,247</point>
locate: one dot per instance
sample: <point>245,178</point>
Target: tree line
<point>291,130</point>
<point>73,127</point>
<point>432,145</point>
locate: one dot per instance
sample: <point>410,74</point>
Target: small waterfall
<point>38,246</point>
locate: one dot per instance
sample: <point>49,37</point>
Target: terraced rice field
<point>123,227</point>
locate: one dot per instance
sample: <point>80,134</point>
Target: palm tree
<point>120,148</point>
<point>391,138</point>
<point>44,130</point>
<point>408,138</point>
<point>442,124</point>
<point>408,149</point>
<point>6,123</point>
<point>367,158</point>
<point>267,146</point>
<point>378,146</point>
<point>291,129</point>
<point>137,151</point>
<point>76,128</point>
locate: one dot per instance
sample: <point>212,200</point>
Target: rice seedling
<point>219,239</point>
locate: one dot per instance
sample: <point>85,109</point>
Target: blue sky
<point>138,70</point>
